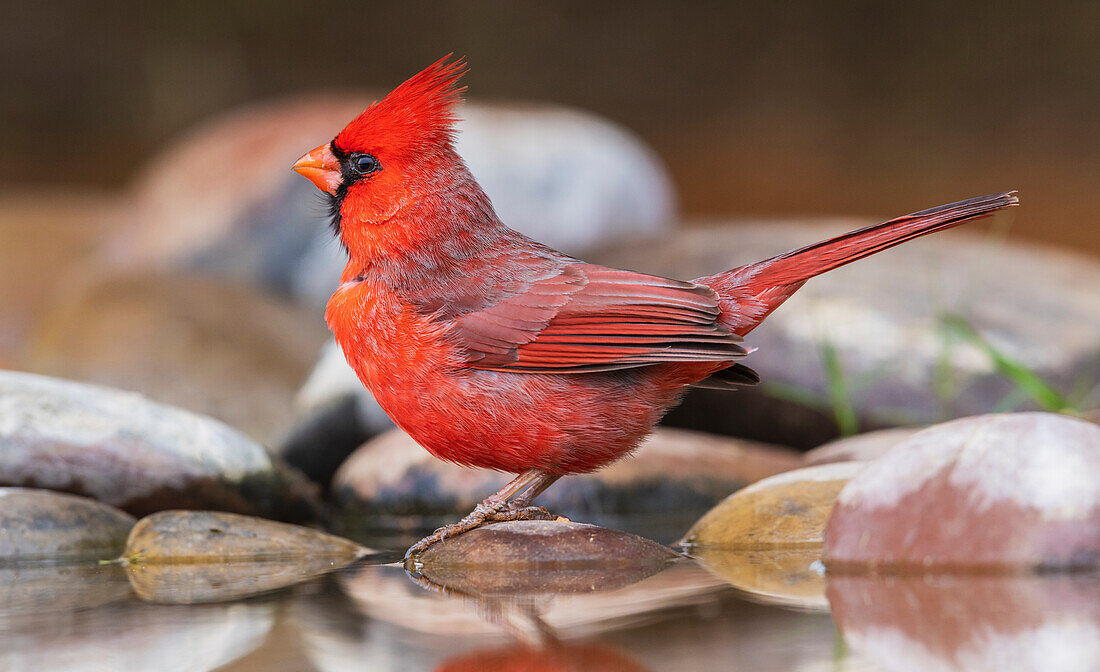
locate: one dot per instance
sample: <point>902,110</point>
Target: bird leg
<point>520,507</point>
<point>497,508</point>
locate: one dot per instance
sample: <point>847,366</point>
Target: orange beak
<point>320,167</point>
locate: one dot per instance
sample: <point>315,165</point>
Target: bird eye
<point>365,164</point>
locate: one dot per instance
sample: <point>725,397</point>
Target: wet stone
<point>525,557</point>
<point>673,478</point>
<point>140,456</point>
<point>54,527</point>
<point>212,536</point>
<point>788,509</point>
<point>998,491</point>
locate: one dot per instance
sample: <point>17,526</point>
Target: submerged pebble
<point>1011,490</point>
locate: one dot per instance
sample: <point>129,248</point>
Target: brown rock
<point>788,509</point>
<point>970,622</point>
<point>212,536</point>
<point>539,557</point>
<point>674,477</point>
<point>882,318</point>
<point>1014,490</point>
<point>211,347</point>
<point>122,449</point>
<point>51,526</point>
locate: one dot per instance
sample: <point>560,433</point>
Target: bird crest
<point>417,115</point>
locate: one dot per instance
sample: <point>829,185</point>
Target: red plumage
<point>492,350</point>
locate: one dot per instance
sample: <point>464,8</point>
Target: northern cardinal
<point>492,350</point>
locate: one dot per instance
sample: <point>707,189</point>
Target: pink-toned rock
<point>1013,490</point>
<point>1025,623</point>
<point>861,447</point>
<point>568,178</point>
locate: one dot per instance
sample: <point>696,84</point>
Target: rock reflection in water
<point>560,658</point>
<point>133,636</point>
<point>46,589</point>
<point>220,582</point>
<point>788,577</point>
<point>971,622</point>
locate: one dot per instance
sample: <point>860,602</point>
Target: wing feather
<point>586,318</point>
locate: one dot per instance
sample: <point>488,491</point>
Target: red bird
<point>492,350</point>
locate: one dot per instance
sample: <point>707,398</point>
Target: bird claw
<point>521,513</point>
<point>471,522</point>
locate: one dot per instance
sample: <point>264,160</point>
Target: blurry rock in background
<point>391,484</point>
<point>970,622</point>
<point>45,238</point>
<point>1012,491</point>
<point>859,448</point>
<point>224,201</point>
<point>867,344</point>
<point>213,347</point>
<point>122,449</point>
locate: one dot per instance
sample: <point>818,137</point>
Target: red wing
<point>590,318</point>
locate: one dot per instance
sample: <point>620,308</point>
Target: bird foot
<point>520,513</point>
<point>477,519</point>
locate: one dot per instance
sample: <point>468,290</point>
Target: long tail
<point>750,292</point>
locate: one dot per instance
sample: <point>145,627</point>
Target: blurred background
<point>154,238</point>
<point>856,108</point>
